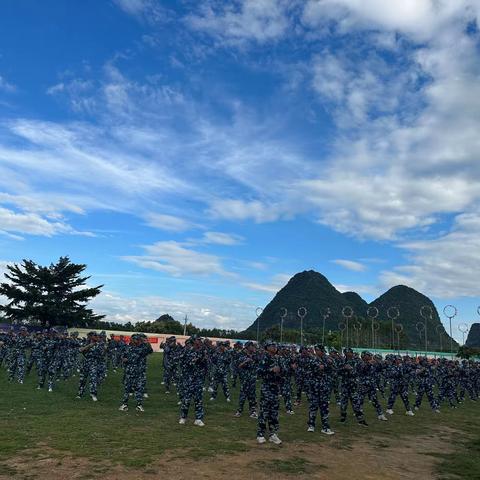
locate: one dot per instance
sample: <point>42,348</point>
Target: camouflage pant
<point>318,401</point>
<point>350,394</point>
<point>398,389</point>
<point>269,406</point>
<point>132,384</point>
<point>369,391</point>
<point>89,372</point>
<point>221,378</point>
<point>248,391</point>
<point>425,388</point>
<point>17,367</point>
<point>192,391</point>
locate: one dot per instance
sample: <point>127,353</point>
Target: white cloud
<point>350,265</point>
<point>168,223</point>
<point>203,311</point>
<point>243,20</point>
<point>176,259</point>
<point>421,19</point>
<point>277,282</point>
<point>241,210</point>
<point>219,238</point>
<point>444,267</point>
<point>6,86</point>
<point>149,10</point>
<point>30,224</point>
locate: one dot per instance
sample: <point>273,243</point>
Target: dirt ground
<point>362,460</point>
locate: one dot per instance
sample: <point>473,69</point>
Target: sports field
<point>54,436</point>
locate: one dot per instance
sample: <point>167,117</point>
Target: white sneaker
<point>254,415</point>
<point>290,412</point>
<point>228,400</point>
<point>50,389</point>
<point>145,395</point>
<point>437,411</point>
<point>237,414</point>
<point>182,421</point>
<point>162,383</point>
<point>409,413</point>
<point>327,431</point>
<point>382,417</point>
<point>415,408</point>
<point>212,399</point>
<point>274,439</point>
<point>39,387</point>
<point>210,389</point>
<point>124,408</point>
<point>198,423</point>
<point>261,440</point>
<point>390,411</point>
<point>140,408</point>
<point>310,429</point>
<point>94,398</point>
<point>179,403</point>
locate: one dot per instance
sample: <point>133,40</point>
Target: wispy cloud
<point>177,259</point>
<point>350,265</point>
<point>6,86</point>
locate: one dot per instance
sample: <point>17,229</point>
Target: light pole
<point>372,314</point>
<point>283,315</point>
<point>347,313</point>
<point>427,313</point>
<point>450,312</point>
<point>326,314</point>
<point>393,313</point>
<point>302,313</point>
<point>463,327</point>
<point>258,312</point>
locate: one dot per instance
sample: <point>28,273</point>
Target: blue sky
<point>196,154</point>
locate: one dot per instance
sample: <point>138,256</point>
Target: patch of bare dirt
<point>365,459</point>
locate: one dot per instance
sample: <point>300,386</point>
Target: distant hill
<point>313,291</point>
<point>473,339</point>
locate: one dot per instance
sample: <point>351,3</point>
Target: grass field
<point>54,436</point>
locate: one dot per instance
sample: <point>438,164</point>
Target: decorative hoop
<point>463,327</point>
<point>452,309</point>
<point>302,312</point>
<point>284,312</point>
<point>426,312</point>
<point>398,328</point>
<point>347,312</point>
<point>258,311</point>
<point>420,326</point>
<point>393,313</point>
<point>375,312</point>
<point>342,326</point>
<point>376,326</point>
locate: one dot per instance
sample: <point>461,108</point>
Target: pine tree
<point>48,295</point>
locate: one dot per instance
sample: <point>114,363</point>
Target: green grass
<point>39,421</point>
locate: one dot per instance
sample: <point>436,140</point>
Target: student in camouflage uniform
<point>270,372</point>
<point>170,362</point>
<point>425,382</point>
<point>399,375</point>
<point>236,353</point>
<point>92,367</point>
<point>221,365</point>
<point>368,386</point>
<point>134,365</point>
<point>349,388</point>
<point>287,360</point>
<point>35,352</point>
<point>247,368</point>
<point>321,367</point>
<point>18,358</point>
<point>193,365</point>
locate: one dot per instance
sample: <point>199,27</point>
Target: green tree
<point>50,295</point>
